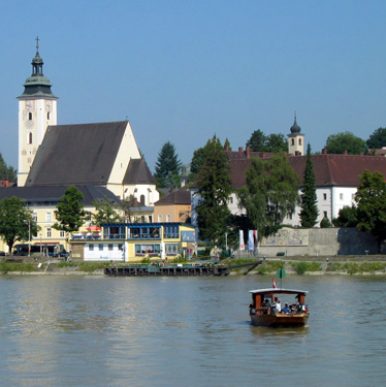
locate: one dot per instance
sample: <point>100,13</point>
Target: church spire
<point>37,85</point>
<point>37,61</point>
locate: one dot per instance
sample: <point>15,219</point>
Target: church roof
<point>138,173</point>
<point>82,154</point>
<point>51,195</point>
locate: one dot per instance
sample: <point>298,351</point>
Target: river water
<point>97,331</point>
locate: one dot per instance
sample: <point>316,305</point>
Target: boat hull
<point>280,320</point>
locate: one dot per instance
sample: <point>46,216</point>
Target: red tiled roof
<point>175,197</point>
<point>329,170</point>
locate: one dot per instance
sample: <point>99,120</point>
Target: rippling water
<point>71,331</point>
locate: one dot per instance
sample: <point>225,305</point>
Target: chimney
<point>248,152</point>
<point>240,151</point>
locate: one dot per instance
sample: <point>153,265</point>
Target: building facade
<point>137,241</point>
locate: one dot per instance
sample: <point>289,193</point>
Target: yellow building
<point>174,207</point>
<point>135,241</point>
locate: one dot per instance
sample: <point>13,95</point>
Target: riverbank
<point>337,265</point>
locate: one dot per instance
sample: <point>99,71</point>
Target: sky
<point>185,70</point>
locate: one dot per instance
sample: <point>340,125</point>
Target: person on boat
<point>286,309</point>
<point>277,305</point>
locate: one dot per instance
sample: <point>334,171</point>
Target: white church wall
<point>128,150</point>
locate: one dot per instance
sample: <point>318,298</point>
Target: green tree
<point>196,163</point>
<point>325,222</point>
<point>345,142</point>
<point>167,169</point>
<point>347,217</point>
<point>259,142</point>
<point>6,172</point>
<point>16,221</point>
<point>276,143</point>
<point>371,205</point>
<point>270,193</point>
<point>70,213</point>
<point>377,139</point>
<point>105,212</point>
<point>309,212</point>
<point>213,187</point>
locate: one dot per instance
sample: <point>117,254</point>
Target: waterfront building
<point>135,241</point>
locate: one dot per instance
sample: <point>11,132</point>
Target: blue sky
<point>182,71</point>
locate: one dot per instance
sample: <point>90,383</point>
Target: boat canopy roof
<point>277,291</point>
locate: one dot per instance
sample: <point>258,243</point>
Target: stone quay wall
<point>318,242</point>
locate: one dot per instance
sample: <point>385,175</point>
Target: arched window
<point>300,141</point>
<point>30,138</point>
<point>292,141</point>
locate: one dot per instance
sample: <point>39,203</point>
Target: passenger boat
<point>266,308</point>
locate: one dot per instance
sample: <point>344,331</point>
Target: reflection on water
<point>66,331</point>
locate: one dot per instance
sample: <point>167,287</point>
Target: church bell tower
<point>37,110</point>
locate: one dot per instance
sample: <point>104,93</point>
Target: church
<point>102,160</point>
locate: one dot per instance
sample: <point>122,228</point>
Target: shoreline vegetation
<point>337,265</point>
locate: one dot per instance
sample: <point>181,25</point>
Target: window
<point>49,232</point>
<point>48,115</point>
<point>30,138</point>
<point>341,196</point>
<point>91,247</point>
<point>292,141</point>
<point>230,200</point>
<point>144,249</point>
<point>62,234</point>
<point>100,247</point>
<point>324,196</point>
<point>110,246</point>
<point>142,199</point>
<point>120,246</point>
<point>29,116</point>
<point>171,232</point>
<point>48,216</point>
<point>171,249</point>
<point>325,214</point>
<point>300,141</point>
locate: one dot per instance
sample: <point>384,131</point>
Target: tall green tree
<point>167,169</point>
<point>213,187</point>
<point>371,205</point>
<point>16,221</point>
<point>196,164</point>
<point>6,172</point>
<point>105,212</point>
<point>270,193</point>
<point>309,212</point>
<point>259,142</point>
<point>377,139</point>
<point>70,214</point>
<point>345,142</point>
